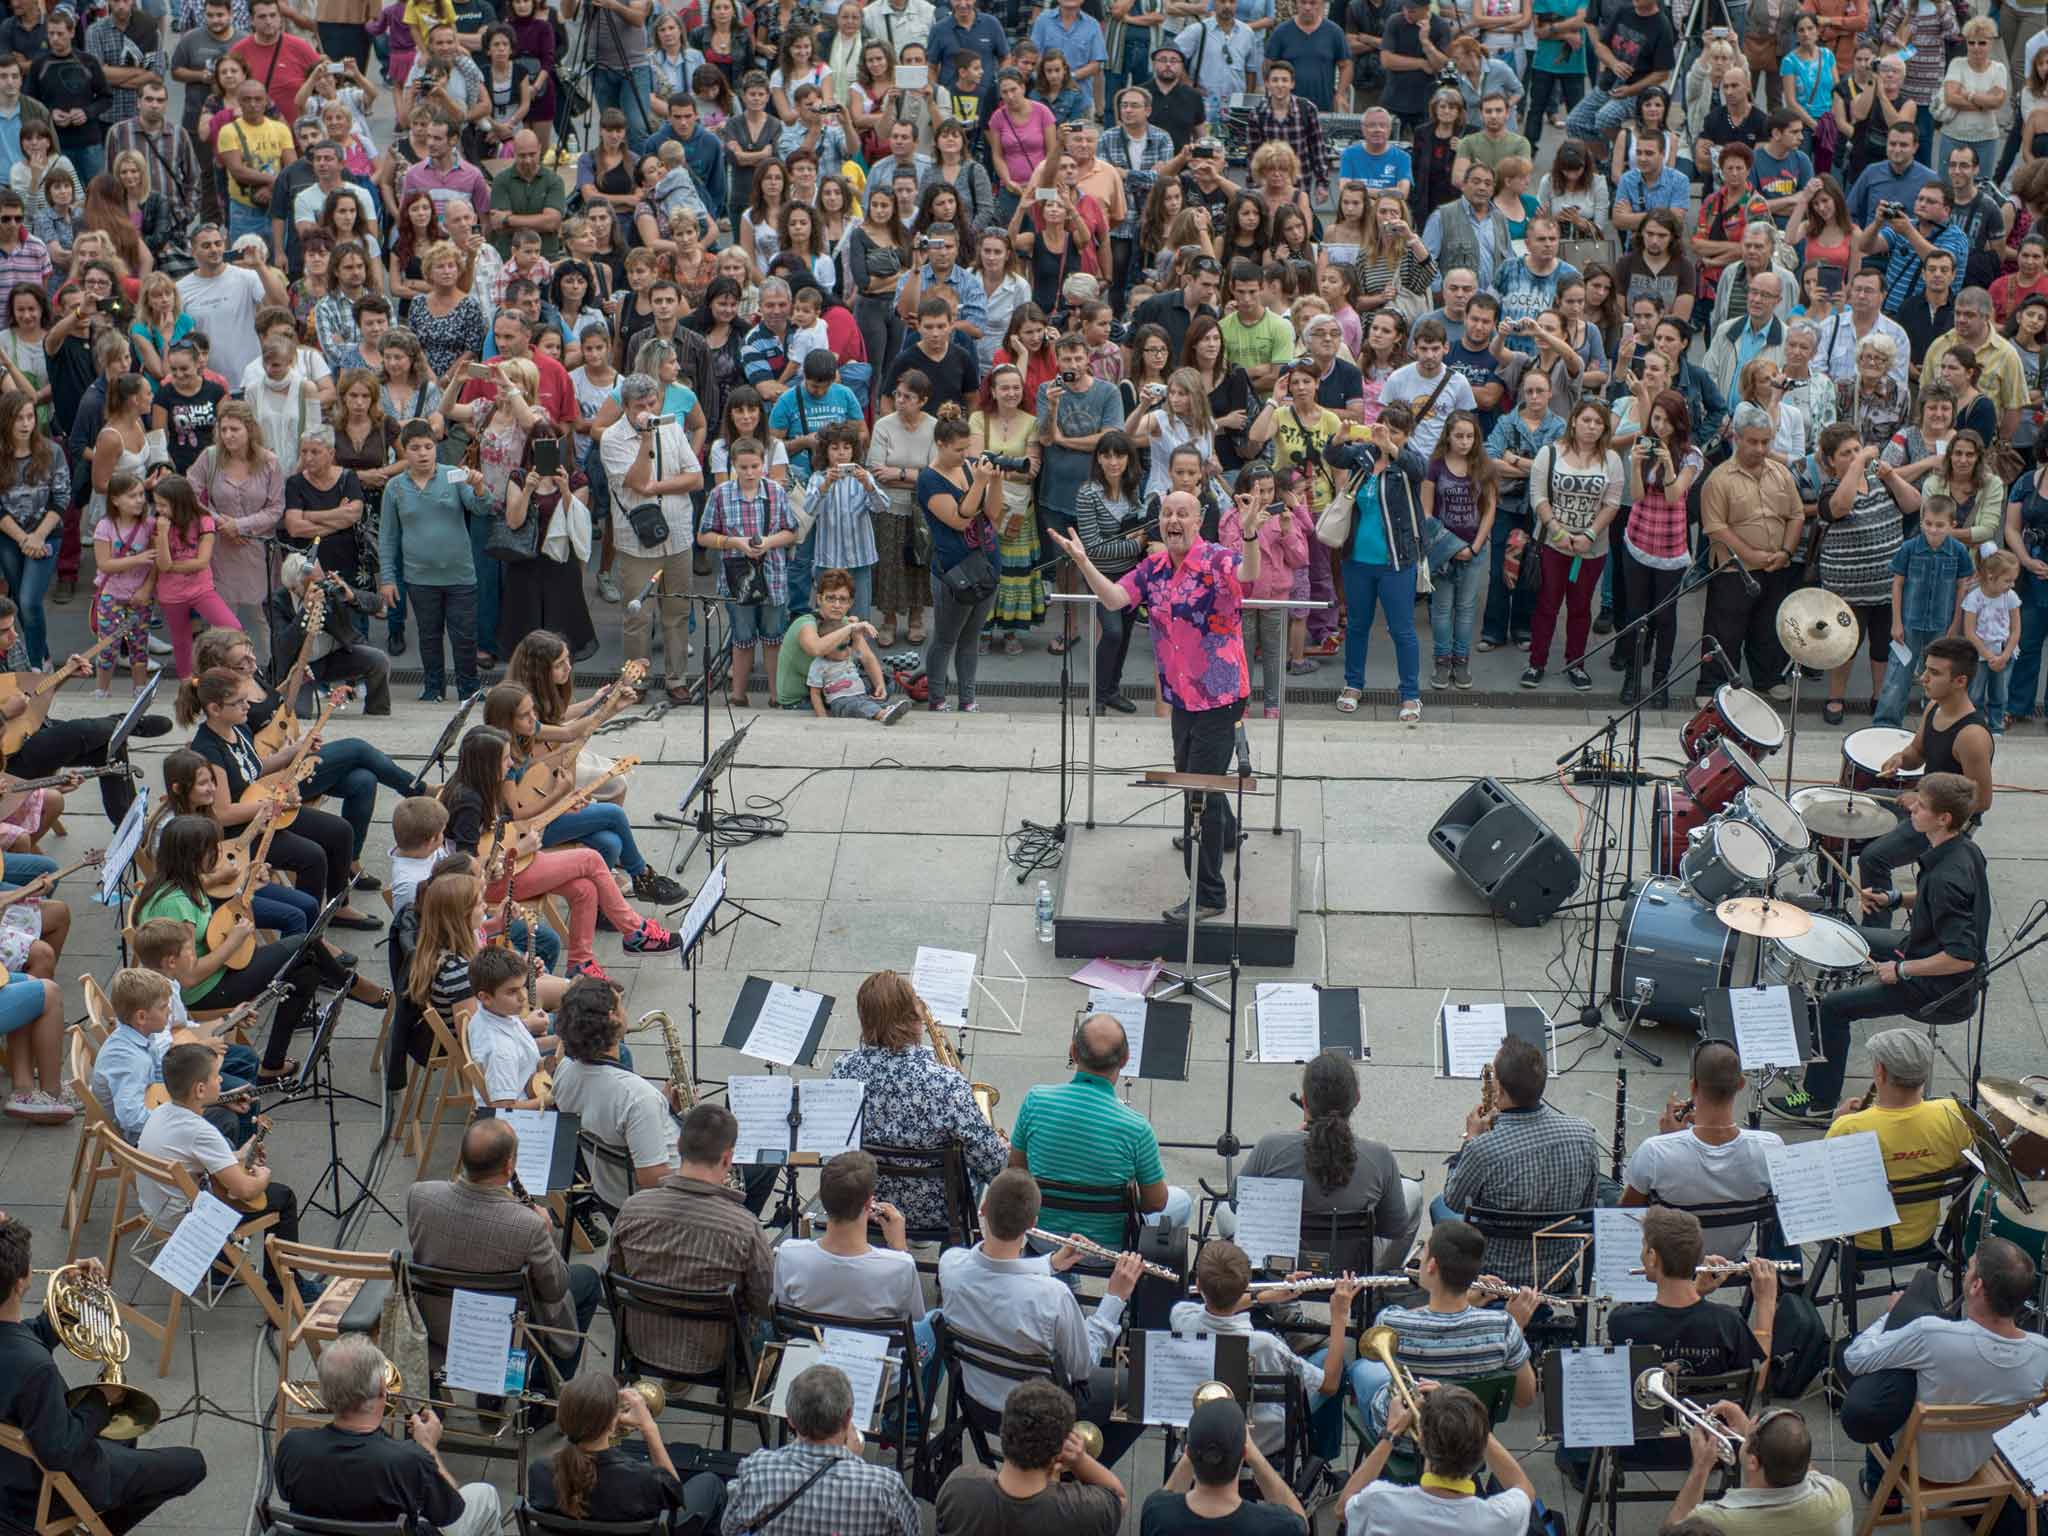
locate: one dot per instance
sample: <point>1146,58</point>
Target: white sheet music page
<point>1862,1194</point>
<point>1290,1021</point>
<point>1831,1188</point>
<point>1174,1367</point>
<point>783,1025</point>
<point>1618,1248</point>
<point>830,1120</point>
<point>1598,1398</point>
<point>2024,1445</point>
<point>1472,1036</point>
<point>1269,1221</point>
<point>702,906</point>
<point>535,1129</point>
<point>195,1242</point>
<point>863,1357</point>
<point>479,1341</point>
<point>761,1105</point>
<point>1128,1011</point>
<point>944,978</point>
<point>1765,1035</point>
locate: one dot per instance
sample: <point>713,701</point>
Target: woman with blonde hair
<point>1276,176</point>
<point>148,206</point>
<point>160,320</point>
<point>1972,94</point>
<point>241,482</point>
<point>447,320</point>
<point>1182,418</point>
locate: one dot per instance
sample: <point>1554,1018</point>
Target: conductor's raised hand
<point>1068,544</point>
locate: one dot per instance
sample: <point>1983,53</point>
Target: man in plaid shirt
<point>819,1485</point>
<point>749,517</point>
<point>1530,1157</point>
<point>1294,121</point>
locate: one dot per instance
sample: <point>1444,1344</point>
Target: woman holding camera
<point>544,590</point>
<point>1007,434</point>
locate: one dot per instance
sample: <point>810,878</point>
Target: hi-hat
<point>1848,815</point>
<point>1817,628</point>
<point>1764,918</point>
<point>2025,1104</point>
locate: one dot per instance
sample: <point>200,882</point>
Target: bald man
<point>525,195</point>
<point>1080,1132</point>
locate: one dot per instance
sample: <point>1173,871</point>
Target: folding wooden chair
<point>1984,1493</point>
<point>343,1274</point>
<point>55,1486</point>
<point>461,1083</point>
<point>91,1165</point>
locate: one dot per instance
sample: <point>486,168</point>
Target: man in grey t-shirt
<point>1074,409</point>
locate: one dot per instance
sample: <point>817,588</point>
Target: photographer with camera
<point>651,470</point>
<point>1907,240</point>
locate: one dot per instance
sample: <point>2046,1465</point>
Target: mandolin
<point>508,830</point>
<point>39,689</point>
<point>543,776</point>
<point>282,728</point>
<point>157,1093</point>
<point>281,788</point>
<point>233,858</point>
<point>240,906</point>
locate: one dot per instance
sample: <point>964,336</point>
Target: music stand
<point>121,849</point>
<point>316,1081</point>
<point>118,742</point>
<point>1194,789</point>
<point>448,734</point>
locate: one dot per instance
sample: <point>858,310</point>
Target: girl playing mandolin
<point>541,664</point>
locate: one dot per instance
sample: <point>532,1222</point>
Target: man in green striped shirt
<point>1080,1132</point>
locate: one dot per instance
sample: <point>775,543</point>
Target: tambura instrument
<point>1864,754</point>
<point>1722,772</point>
<point>1671,943</point>
<point>1783,828</point>
<point>1828,957</point>
<point>1674,820</point>
<point>1729,859</point>
<point>1737,715</point>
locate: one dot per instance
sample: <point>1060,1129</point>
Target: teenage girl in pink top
<point>1283,550</point>
<point>1024,135</point>
<point>184,567</point>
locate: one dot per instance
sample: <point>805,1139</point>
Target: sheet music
<point>1598,1398</point>
<point>1290,1021</point>
<point>783,1025</point>
<point>535,1129</point>
<point>1174,1367</point>
<point>761,1105</point>
<point>1128,1011</point>
<point>830,1120</point>
<point>195,1242</point>
<point>1617,1246</point>
<point>1765,1035</point>
<point>702,906</point>
<point>864,1359</point>
<point>1831,1188</point>
<point>2024,1444</point>
<point>1472,1036</point>
<point>479,1341</point>
<point>944,978</point>
<point>121,852</point>
<point>1269,1219</point>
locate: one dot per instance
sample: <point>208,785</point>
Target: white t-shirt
<point>622,1110</point>
<point>312,368</point>
<point>224,306</point>
<point>1994,614</point>
<point>1171,433</point>
<point>620,446</point>
<point>407,873</point>
<point>778,458</point>
<point>881,1284</point>
<point>1974,123</point>
<point>309,204</point>
<point>1407,385</point>
<point>802,343</point>
<point>176,1135</point>
<point>1389,1509</point>
<point>1680,1169</point>
<point>505,1050</point>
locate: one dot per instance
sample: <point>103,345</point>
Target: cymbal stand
<point>1188,979</point>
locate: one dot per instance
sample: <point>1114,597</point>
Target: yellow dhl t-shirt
<point>1927,1138</point>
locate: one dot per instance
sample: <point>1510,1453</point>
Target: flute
<point>1741,1267</point>
<point>1503,1289</point>
<point>1094,1250</point>
<point>1322,1283</point>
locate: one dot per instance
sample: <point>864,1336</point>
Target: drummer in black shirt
<point>590,1479</point>
<point>1953,737</point>
<point>1927,975</point>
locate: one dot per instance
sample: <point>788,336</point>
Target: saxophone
<point>679,1085</point>
<point>1487,1094</point>
<point>986,1098</point>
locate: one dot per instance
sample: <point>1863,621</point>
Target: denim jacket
<point>1400,498</point>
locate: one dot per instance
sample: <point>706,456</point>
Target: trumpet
<point>986,1097</point>
<point>1741,1267</point>
<point>1094,1250</point>
<point>1380,1342</point>
<point>1653,1390</point>
<point>647,1389</point>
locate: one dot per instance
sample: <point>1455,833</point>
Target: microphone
<point>1244,753</point>
<point>1749,582</point>
<point>640,600</point>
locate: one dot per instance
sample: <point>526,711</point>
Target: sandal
<point>1411,712</point>
<point>1057,645</point>
<point>916,632</point>
<point>1012,646</point>
<point>380,1001</point>
<point>265,1076</point>
<point>1347,701</point>
<point>1832,711</point>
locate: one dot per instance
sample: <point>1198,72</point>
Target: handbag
<point>745,582</point>
<point>401,1332</point>
<point>972,580</point>
<point>504,542</point>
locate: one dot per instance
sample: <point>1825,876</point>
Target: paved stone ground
<point>896,838</point>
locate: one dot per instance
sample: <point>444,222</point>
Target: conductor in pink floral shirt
<point>1194,590</point>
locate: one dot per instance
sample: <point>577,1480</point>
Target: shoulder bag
<point>514,545</point>
<point>649,522</point>
<point>972,578</point>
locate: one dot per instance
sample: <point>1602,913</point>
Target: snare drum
<point>1731,858</point>
<point>1829,957</point>
<point>1674,819</point>
<point>1864,754</point>
<point>1737,715</point>
<point>1772,815</point>
<point>1671,944</point>
<point>1722,773</point>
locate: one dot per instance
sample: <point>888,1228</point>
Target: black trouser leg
<point>1767,658</point>
<point>1647,587</point>
<point>318,849</point>
<point>1727,622</point>
<point>240,986</point>
<point>1111,647</point>
<point>1202,741</point>
<point>1877,1406</point>
<point>82,743</point>
<point>284,1201</point>
<point>140,1482</point>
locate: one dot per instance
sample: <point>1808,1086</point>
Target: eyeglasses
<point>10,218</point>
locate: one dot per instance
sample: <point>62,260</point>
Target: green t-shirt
<point>171,902</point>
<point>793,667</point>
<point>1080,1132</point>
<point>1271,340</point>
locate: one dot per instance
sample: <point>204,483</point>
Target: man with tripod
<point>614,46</point>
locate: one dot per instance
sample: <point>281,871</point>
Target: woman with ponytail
<point>1341,1172</point>
<point>587,1479</point>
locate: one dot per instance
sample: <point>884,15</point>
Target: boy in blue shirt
<point>1928,575</point>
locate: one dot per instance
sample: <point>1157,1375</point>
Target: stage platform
<point>1115,881</point>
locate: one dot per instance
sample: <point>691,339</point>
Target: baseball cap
<point>1215,1441</point>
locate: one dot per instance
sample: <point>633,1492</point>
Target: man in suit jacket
<point>475,1223</point>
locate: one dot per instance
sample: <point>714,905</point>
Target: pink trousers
<point>210,606</point>
<point>580,877</point>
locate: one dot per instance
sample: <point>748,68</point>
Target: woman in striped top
<point>1394,267</point>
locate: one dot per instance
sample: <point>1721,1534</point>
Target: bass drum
<point>1674,818</point>
<point>1673,946</point>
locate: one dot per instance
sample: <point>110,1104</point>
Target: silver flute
<point>1502,1288</point>
<point>1322,1283</point>
<point>1095,1250</point>
<point>1741,1267</point>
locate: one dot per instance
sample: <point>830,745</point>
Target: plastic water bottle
<point>1044,913</point>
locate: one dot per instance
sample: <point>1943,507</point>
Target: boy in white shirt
<point>1991,625</point>
<point>505,1041</point>
<point>419,826</point>
<point>806,327</point>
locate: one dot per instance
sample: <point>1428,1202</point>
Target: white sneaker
<point>103,693</point>
<point>39,1106</point>
<point>70,1099</point>
<point>158,646</point>
<point>607,587</point>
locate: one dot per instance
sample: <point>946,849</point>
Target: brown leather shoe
<point>678,694</point>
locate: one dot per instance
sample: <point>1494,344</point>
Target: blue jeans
<point>1898,680</point>
<point>1454,607</point>
<point>17,869</point>
<point>286,908</point>
<point>2024,690</point>
<point>1599,116</point>
<point>394,616</point>
<point>1988,691</point>
<point>90,159</point>
<point>632,92</point>
<point>244,220</point>
<point>1395,592</point>
<point>352,768</point>
<point>802,564</point>
<point>27,581</point>
<point>488,572</point>
<point>1508,609</point>
<point>454,608</point>
<point>603,827</point>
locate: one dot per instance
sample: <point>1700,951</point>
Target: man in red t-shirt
<point>280,62</point>
<point>513,333</point>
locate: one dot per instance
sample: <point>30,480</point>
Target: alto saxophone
<point>679,1085</point>
<point>1488,1094</point>
<point>986,1098</point>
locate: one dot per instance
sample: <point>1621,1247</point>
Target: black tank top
<point>1938,746</point>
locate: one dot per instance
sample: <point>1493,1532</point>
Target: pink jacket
<point>1283,550</point>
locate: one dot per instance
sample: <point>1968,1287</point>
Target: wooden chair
<point>1984,1493</point>
<point>91,1165</point>
<point>176,1179</point>
<point>343,1274</point>
<point>55,1486</point>
<point>461,1083</point>
<point>99,1010</point>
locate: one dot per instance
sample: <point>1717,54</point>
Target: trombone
<point>1653,1390</point>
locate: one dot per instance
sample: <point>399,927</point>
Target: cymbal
<point>2025,1104</point>
<point>1848,815</point>
<point>1764,918</point>
<point>1817,628</point>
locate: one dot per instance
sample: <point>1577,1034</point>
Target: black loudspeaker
<point>1519,867</point>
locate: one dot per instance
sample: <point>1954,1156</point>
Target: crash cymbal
<point>1848,815</point>
<point>2025,1104</point>
<point>1764,918</point>
<point>1817,628</point>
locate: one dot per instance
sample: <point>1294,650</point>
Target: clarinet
<point>1620,1120</point>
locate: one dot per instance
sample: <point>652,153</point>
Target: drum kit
<point>2011,1151</point>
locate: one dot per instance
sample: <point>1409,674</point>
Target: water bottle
<point>1044,913</point>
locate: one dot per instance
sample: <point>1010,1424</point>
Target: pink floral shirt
<point>1197,629</point>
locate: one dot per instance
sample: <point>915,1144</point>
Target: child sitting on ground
<point>840,654</point>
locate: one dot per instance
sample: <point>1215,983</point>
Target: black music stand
<point>448,734</point>
<point>316,1081</point>
<point>1194,788</point>
<point>118,742</point>
<point>1340,1025</point>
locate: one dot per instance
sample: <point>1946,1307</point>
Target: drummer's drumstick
<point>1841,869</point>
